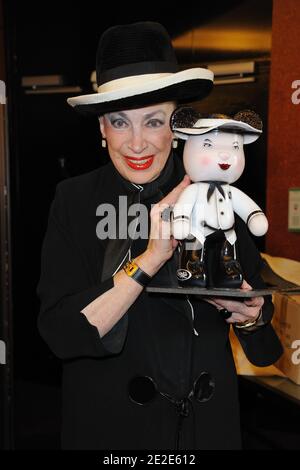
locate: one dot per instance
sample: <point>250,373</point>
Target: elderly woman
<point>141,371</point>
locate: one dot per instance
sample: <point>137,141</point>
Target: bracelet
<point>247,324</point>
<point>135,272</point>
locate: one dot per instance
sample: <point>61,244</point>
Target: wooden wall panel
<point>284,128</point>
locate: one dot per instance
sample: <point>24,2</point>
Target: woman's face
<point>139,140</point>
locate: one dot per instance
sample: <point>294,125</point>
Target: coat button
<point>142,390</point>
<point>222,213</point>
<point>204,387</point>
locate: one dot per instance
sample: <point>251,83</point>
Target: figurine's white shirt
<point>217,213</point>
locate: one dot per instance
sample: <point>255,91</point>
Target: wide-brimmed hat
<point>136,66</point>
<point>186,121</point>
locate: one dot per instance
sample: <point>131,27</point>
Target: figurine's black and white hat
<point>186,121</point>
<point>136,66</point>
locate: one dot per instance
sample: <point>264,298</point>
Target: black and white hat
<point>186,121</point>
<point>136,66</point>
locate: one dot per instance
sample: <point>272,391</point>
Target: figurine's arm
<point>249,211</point>
<point>182,212</point>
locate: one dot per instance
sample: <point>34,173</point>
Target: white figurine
<point>214,158</point>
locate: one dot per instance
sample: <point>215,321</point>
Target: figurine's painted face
<point>216,155</point>
<point>139,140</point>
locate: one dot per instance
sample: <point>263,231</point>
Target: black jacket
<point>155,338</point>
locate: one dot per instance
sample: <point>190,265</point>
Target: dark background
<point>49,142</point>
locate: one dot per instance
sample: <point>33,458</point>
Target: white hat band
<point>127,82</point>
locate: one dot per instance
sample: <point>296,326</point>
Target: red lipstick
<point>141,163</point>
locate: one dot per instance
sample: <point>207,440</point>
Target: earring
<point>174,143</point>
<point>103,143</point>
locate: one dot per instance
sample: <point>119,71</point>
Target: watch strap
<point>135,272</point>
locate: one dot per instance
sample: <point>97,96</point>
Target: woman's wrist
<point>249,324</point>
<point>148,263</point>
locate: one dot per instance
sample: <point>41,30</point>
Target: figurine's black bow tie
<point>212,186</point>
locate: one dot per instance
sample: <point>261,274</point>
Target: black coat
<point>155,338</point>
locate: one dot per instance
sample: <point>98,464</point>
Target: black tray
<point>213,292</point>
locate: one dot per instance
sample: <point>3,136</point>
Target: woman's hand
<point>246,311</point>
<point>161,243</point>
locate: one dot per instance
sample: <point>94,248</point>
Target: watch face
<point>130,268</point>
